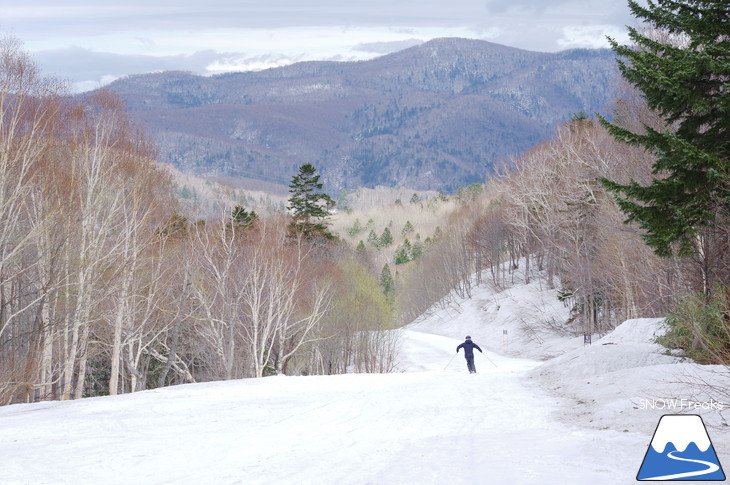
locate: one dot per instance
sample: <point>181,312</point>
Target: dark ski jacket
<point>468,347</point>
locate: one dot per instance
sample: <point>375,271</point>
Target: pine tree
<point>386,280</point>
<point>417,249</point>
<point>355,229</point>
<point>407,229</point>
<point>386,238</point>
<point>309,205</point>
<point>687,82</point>
<point>373,239</point>
<point>404,253</point>
<point>361,253</point>
<point>241,218</point>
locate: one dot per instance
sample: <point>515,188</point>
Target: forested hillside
<point>436,116</point>
<point>106,287</point>
<point>627,218</point>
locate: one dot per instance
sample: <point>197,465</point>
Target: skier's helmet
<point>468,337</point>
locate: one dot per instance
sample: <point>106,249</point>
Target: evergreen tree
<point>404,253</point>
<point>386,239</point>
<point>361,253</point>
<point>241,218</point>
<point>687,82</point>
<point>407,229</point>
<point>417,249</point>
<point>309,205</point>
<point>187,193</point>
<point>386,280</point>
<point>373,239</point>
<point>355,229</point>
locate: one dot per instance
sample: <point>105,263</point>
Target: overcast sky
<point>92,42</point>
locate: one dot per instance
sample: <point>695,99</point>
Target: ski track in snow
<point>574,420</point>
<point>424,425</point>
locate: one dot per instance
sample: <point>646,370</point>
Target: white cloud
<point>386,47</point>
<point>87,40</point>
<point>233,63</point>
<point>591,37</point>
<point>88,85</point>
<point>46,12</point>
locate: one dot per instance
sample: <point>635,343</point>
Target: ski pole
<point>490,360</point>
<point>452,358</point>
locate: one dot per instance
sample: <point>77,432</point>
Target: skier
<point>469,347</point>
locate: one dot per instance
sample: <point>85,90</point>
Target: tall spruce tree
<point>309,205</point>
<point>685,78</point>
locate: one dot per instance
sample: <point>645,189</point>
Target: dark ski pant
<point>470,363</point>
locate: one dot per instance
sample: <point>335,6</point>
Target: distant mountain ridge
<point>435,116</point>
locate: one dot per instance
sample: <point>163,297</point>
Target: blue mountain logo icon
<point>681,450</point>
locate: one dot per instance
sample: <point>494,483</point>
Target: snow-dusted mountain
<point>435,116</point>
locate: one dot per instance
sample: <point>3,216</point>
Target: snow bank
<point>639,330</point>
<point>523,320</point>
<point>630,345</point>
<point>624,381</point>
<point>627,380</point>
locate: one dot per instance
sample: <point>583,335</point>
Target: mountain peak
<point>463,43</point>
<point>434,116</point>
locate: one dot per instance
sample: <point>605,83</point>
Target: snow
<point>518,321</point>
<point>543,409</point>
<point>640,330</point>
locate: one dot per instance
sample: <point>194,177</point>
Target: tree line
<point>628,217</point>
<point>106,288</point>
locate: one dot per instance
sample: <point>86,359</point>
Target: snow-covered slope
<point>572,420</point>
<point>630,346</point>
<point>625,380</point>
<point>522,320</point>
<point>422,426</point>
